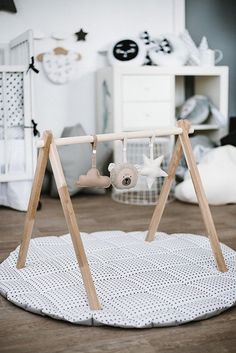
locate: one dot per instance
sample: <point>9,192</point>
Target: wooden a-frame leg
<point>73,227</point>
<point>159,209</point>
<point>202,200</point>
<point>34,199</point>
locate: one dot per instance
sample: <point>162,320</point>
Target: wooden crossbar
<point>168,131</point>
<point>48,150</point>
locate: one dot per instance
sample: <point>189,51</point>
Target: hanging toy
<point>151,167</point>
<point>93,177</point>
<point>123,175</point>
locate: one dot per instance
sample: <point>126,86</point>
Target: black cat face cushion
<point>127,52</point>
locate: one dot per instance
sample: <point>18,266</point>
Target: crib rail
<point>21,49</point>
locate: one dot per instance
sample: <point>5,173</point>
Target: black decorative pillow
<point>8,5</point>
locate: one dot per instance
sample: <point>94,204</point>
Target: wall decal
<point>60,35</point>
<point>39,35</point>
<point>81,35</point>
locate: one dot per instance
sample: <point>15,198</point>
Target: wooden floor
<point>22,331</point>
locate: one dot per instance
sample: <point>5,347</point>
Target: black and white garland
<point>155,44</point>
<point>147,41</point>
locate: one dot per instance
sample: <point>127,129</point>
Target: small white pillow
<point>218,173</point>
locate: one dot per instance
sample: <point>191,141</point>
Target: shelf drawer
<point>147,87</point>
<point>147,115</point>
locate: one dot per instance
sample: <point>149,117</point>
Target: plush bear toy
<point>123,176</point>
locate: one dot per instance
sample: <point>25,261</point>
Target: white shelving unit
<point>134,98</point>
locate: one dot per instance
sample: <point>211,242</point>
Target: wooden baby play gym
<point>48,150</point>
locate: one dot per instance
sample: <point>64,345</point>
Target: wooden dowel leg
<point>202,200</point>
<point>73,227</point>
<point>159,209</point>
<point>34,199</point>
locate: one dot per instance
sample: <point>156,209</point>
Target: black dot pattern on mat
<point>170,281</point>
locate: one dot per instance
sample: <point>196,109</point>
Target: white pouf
<point>170,281</point>
<point>218,173</point>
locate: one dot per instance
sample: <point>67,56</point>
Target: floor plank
<point>24,332</point>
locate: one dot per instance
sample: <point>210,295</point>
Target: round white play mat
<point>170,281</point>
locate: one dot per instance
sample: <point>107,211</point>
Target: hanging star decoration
<point>81,35</point>
<point>152,169</point>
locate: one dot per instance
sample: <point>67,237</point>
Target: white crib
<point>17,145</point>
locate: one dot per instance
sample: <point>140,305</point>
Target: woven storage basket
<point>141,195</point>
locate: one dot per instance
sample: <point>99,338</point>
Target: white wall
<point>104,20</point>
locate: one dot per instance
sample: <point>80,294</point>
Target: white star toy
<point>151,169</point>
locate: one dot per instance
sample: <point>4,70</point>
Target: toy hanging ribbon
<point>94,151</point>
<point>32,67</point>
<point>125,150</point>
